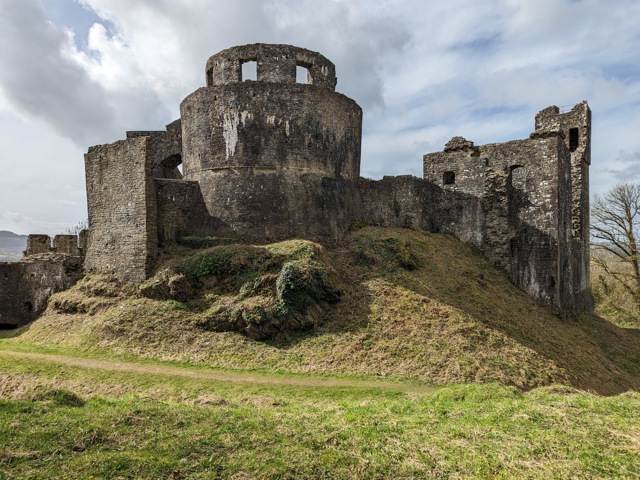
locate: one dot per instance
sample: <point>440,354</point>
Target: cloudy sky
<point>75,73</point>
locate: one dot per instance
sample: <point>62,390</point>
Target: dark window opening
<point>28,306</point>
<point>302,74</point>
<point>449,178</point>
<point>209,77</point>
<point>552,282</point>
<point>249,70</point>
<point>574,140</point>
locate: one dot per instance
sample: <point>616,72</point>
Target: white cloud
<point>423,71</point>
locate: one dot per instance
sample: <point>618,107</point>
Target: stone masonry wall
<point>67,244</point>
<point>401,201</point>
<point>167,149</point>
<point>576,127</point>
<point>512,200</point>
<point>26,285</point>
<point>182,211</point>
<point>458,177</point>
<point>122,209</point>
<point>274,64</point>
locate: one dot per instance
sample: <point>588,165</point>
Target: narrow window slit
<point>574,139</point>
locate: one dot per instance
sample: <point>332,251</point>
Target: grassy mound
<point>411,304</point>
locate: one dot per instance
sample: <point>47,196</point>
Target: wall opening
<point>517,198</point>
<point>302,74</point>
<point>249,70</point>
<point>449,178</point>
<point>574,139</point>
<point>209,77</point>
<point>172,166</point>
<point>28,306</point>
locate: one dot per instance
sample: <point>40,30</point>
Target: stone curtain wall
<point>25,286</point>
<point>401,201</point>
<point>182,211</point>
<point>122,209</point>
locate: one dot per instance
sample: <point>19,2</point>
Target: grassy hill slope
<point>411,304</point>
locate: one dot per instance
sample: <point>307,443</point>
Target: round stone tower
<point>275,158</point>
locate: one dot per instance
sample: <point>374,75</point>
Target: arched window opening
<point>517,197</point>
<point>517,176</point>
<point>172,167</point>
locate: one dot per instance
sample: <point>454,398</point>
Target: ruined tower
<point>274,158</point>
<point>524,204</point>
<point>262,159</point>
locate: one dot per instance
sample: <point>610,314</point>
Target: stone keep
<point>273,157</point>
<point>263,160</point>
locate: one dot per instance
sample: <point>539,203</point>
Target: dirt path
<point>216,375</point>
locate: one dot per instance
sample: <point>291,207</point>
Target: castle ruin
<point>270,159</point>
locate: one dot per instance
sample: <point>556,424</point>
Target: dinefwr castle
<point>270,159</point>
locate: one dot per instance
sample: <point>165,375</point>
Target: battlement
<point>74,245</point>
<point>274,64</point>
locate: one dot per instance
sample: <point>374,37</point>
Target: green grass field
<point>419,360</point>
<point>60,421</point>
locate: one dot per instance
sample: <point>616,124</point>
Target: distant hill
<point>11,246</point>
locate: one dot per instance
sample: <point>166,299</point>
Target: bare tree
<point>77,228</point>
<point>615,231</point>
